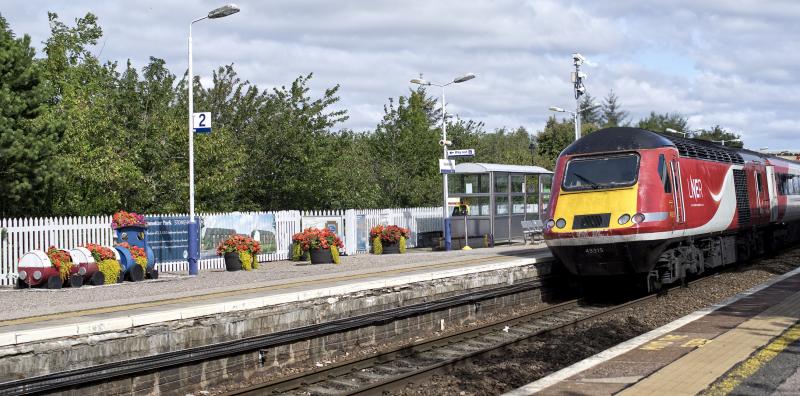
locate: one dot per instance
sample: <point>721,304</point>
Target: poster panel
<point>216,228</point>
<point>168,236</point>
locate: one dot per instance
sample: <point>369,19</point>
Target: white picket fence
<point>19,236</point>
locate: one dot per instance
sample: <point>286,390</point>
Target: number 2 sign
<point>201,122</point>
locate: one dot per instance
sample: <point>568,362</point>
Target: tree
<point>405,148</point>
<point>551,141</point>
<point>660,122</point>
<point>613,115</point>
<point>719,134</point>
<point>590,111</point>
<point>28,155</point>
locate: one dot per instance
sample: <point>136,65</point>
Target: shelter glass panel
<point>501,183</point>
<point>518,204</point>
<point>501,205</point>
<point>517,181</point>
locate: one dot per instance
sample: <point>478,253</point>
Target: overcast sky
<point>714,61</point>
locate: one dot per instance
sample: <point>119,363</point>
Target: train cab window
<point>593,173</point>
<point>664,174</point>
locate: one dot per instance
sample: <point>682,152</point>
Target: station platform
<point>746,345</point>
<point>40,315</point>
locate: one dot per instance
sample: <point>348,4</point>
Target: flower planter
<point>390,247</point>
<point>321,256</point>
<point>232,262</point>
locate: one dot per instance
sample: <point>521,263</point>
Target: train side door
<point>762,198</point>
<point>677,193</point>
<point>773,194</point>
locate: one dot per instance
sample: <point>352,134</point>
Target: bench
<point>531,229</point>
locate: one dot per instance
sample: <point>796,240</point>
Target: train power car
<point>634,203</point>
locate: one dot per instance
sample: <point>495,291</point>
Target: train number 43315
<point>594,250</point>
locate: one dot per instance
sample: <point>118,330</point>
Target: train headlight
<point>638,218</point>
<point>37,275</point>
<point>550,223</point>
<point>561,223</point>
<point>624,219</point>
<point>22,275</point>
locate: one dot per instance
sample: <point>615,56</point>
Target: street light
<point>194,234</point>
<point>575,119</point>
<point>722,142</point>
<point>445,213</point>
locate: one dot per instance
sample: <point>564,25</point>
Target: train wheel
<point>121,277</point>
<point>152,274</point>
<point>54,282</point>
<point>136,273</point>
<point>75,280</point>
<point>97,279</point>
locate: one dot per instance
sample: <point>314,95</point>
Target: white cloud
<point>717,62</point>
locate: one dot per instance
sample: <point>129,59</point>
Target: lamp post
<point>685,134</point>
<point>194,234</point>
<point>575,118</point>
<point>445,213</point>
<point>579,89</point>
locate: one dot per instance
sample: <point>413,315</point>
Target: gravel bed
<point>34,302</point>
<point>522,364</point>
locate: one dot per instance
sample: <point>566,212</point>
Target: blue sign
<point>168,236</point>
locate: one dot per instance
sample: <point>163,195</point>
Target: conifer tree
<point>27,144</point>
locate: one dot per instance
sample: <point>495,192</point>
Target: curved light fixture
<point>466,77</point>
<point>221,12</point>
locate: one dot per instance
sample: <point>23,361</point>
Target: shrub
<point>246,247</point>
<point>60,259</point>
<point>106,262</point>
<point>388,234</point>
<point>127,219</point>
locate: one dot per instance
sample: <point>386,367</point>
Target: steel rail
<point>102,372</point>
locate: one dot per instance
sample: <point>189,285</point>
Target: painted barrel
<point>130,270</point>
<point>137,236</point>
<point>83,258</point>
<point>35,269</point>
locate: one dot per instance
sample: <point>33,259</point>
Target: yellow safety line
<point>750,366</point>
<point>214,295</point>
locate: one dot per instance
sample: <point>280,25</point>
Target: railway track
<point>396,369</point>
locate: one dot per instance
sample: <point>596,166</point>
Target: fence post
<point>350,231</point>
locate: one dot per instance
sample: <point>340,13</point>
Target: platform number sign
<point>201,122</point>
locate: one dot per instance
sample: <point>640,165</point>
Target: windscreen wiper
<point>593,184</point>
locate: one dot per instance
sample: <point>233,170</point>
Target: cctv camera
<point>578,58</point>
<point>445,142</point>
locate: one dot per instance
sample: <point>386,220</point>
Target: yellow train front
<point>611,211</point>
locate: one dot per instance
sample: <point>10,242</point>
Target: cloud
<point>716,62</point>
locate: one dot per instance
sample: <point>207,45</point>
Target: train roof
<point>627,138</point>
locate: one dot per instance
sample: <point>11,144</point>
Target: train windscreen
<point>593,173</point>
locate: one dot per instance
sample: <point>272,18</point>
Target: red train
<point>632,202</point>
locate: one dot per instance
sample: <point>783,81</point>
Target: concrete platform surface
<point>37,315</point>
<point>746,345</point>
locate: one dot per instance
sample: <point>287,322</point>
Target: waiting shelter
<point>491,200</point>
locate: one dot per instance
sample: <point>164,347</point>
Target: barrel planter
<point>136,236</point>
<point>303,255</point>
<point>83,258</point>
<point>35,269</point>
<point>321,256</point>
<point>390,247</point>
<point>233,262</point>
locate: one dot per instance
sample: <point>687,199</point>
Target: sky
<point>716,62</point>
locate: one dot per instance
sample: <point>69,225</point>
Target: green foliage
<point>402,244</point>
<point>28,160</point>
<point>110,269</point>
<point>247,260</point>
<point>335,254</point>
<point>719,134</point>
<point>297,252</point>
<point>590,111</point>
<point>550,142</point>
<point>613,115</point>
<point>377,245</point>
<point>660,122</point>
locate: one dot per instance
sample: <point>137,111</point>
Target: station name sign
<point>461,153</point>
